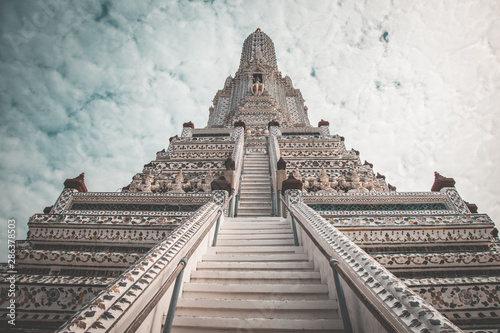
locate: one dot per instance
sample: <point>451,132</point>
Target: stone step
<point>252,203</point>
<point>251,209</point>
<point>255,325</point>
<point>254,226</point>
<point>257,220</point>
<point>255,249</point>
<point>254,186</point>
<point>255,277</point>
<point>298,309</point>
<point>255,214</point>
<point>255,291</point>
<point>253,266</point>
<point>264,197</point>
<point>250,191</point>
<point>255,183</point>
<point>251,212</point>
<point>239,257</point>
<point>255,170</point>
<point>280,231</point>
<point>260,219</point>
<point>256,177</point>
<point>252,236</point>
<point>257,242</point>
<point>257,197</point>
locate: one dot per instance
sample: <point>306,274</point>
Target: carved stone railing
<point>238,154</point>
<point>124,305</point>
<point>274,155</point>
<point>396,306</point>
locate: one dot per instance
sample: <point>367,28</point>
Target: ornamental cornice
<point>412,221</point>
<point>474,280</point>
<point>98,234</point>
<point>202,139</point>
<point>203,146</point>
<point>77,258</point>
<point>214,132</point>
<point>439,260</point>
<point>307,138</point>
<point>420,236</point>
<point>141,197</point>
<point>119,221</point>
<point>196,155</point>
<point>376,195</point>
<point>57,280</point>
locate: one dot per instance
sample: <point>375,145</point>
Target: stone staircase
<point>256,280</point>
<point>255,198</point>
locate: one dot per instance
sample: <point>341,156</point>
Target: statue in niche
<point>357,186</point>
<point>176,186</point>
<point>324,183</point>
<point>296,174</point>
<point>148,182</point>
<point>205,185</point>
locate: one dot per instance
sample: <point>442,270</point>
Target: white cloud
<point>100,87</point>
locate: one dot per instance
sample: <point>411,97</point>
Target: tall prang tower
<point>258,222</point>
<point>258,94</point>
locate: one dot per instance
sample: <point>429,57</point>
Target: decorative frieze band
<point>76,258</point>
<point>418,236</point>
<point>107,235</point>
<point>128,220</point>
<point>424,260</point>
<point>407,220</point>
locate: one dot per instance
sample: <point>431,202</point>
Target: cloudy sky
<point>99,86</point>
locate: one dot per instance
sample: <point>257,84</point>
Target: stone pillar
<point>280,178</point>
<point>71,185</point>
<point>292,196</point>
<point>324,127</point>
<point>220,197</point>
<point>292,188</point>
<point>447,185</point>
<point>187,129</point>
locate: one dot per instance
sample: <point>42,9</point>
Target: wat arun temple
<point>258,222</point>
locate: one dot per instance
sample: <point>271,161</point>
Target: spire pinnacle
<point>258,46</point>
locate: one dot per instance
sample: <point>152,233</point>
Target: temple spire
<point>258,46</point>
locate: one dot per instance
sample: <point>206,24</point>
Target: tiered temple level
<point>99,260</point>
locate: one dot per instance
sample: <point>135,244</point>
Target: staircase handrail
<point>238,153</point>
<point>394,304</point>
<point>146,281</point>
<point>274,153</point>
